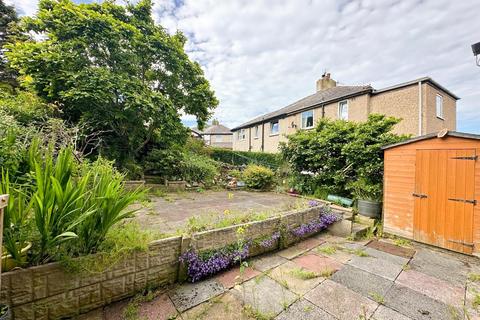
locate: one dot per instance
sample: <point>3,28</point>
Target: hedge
<point>271,160</point>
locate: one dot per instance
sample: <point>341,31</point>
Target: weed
<point>378,298</point>
<point>474,277</point>
<point>358,252</point>
<point>303,274</point>
<point>406,267</point>
<point>327,250</point>
<point>402,242</point>
<point>327,273</point>
<point>284,283</point>
<point>256,314</point>
<point>285,305</point>
<point>476,301</point>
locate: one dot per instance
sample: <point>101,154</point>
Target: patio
<point>170,212</point>
<point>325,277</point>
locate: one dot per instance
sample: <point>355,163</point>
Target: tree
<point>8,16</point>
<point>111,69</point>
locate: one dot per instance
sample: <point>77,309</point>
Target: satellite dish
<point>442,133</point>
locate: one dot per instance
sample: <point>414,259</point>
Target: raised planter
<point>368,208</point>
<point>8,263</point>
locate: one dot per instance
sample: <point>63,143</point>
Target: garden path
<point>326,277</point>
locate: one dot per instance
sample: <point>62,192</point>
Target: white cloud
<point>261,55</point>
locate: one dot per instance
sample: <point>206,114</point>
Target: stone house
<point>423,105</point>
<point>215,135</point>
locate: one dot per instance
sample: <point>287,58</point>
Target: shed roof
<point>434,135</point>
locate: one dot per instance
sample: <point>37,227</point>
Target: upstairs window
<point>274,127</point>
<point>307,119</point>
<point>257,132</point>
<point>439,106</point>
<point>343,110</point>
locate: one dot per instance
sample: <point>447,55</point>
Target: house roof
<point>217,129</point>
<point>416,81</point>
<point>318,98</point>
<point>335,94</point>
<point>434,135</point>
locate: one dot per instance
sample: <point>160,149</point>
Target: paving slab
<point>232,277</point>
<point>299,248</point>
<point>267,262</point>
<point>418,306</point>
<point>440,265</point>
<point>378,266</point>
<point>189,295</point>
<point>304,310</point>
<point>363,282</point>
<point>318,264</point>
<point>386,256</point>
<point>334,251</point>
<point>384,313</point>
<point>160,308</point>
<point>391,248</point>
<point>433,287</point>
<point>115,310</point>
<point>264,295</point>
<point>224,307</point>
<point>340,301</point>
<point>471,295</point>
<point>288,275</point>
<point>96,314</point>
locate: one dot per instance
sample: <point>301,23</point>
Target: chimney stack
<point>325,82</point>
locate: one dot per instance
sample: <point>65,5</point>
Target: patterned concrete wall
<point>49,292</point>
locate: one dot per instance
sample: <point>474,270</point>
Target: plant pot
<point>368,208</point>
<point>7,261</point>
<point>7,314</point>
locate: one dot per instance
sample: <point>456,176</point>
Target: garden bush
<point>199,168</point>
<point>271,160</point>
<point>337,153</point>
<point>258,177</point>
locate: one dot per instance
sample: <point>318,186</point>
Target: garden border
<point>49,292</point>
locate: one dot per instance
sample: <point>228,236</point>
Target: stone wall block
<point>141,261</point>
<point>24,312</point>
<point>21,287</point>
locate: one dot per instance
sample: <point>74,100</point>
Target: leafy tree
<point>8,17</point>
<point>112,70</point>
<point>339,153</point>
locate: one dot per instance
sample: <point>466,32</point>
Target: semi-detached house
<point>423,105</point>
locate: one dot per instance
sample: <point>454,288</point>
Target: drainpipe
<point>250,139</point>
<point>420,108</point>
<point>263,136</point>
<point>323,111</point>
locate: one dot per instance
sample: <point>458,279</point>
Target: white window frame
<point>241,135</point>
<point>257,131</point>
<point>313,119</point>
<point>340,103</point>
<point>278,128</point>
<point>439,107</point>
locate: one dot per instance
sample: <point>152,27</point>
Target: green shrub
<point>199,168</point>
<point>271,160</point>
<point>338,152</point>
<point>258,177</point>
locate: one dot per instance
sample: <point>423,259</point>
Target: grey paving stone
<point>384,313</point>
<point>265,295</point>
<point>189,295</point>
<point>441,265</point>
<point>418,306</point>
<point>304,310</point>
<point>267,262</point>
<point>363,282</point>
<point>386,256</point>
<point>377,266</point>
<point>340,301</point>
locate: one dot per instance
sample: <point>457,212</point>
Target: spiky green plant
<point>110,201</point>
<point>58,202</point>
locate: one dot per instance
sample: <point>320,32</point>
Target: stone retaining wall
<point>49,292</point>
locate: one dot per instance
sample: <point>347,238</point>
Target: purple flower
<point>268,243</point>
<point>322,222</point>
<point>313,203</point>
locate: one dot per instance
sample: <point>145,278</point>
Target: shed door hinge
<point>474,202</point>
<point>474,158</point>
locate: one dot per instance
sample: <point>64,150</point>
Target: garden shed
<point>432,190</point>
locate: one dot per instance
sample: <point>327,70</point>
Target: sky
<point>262,55</point>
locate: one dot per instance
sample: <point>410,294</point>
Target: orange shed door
<point>444,198</point>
